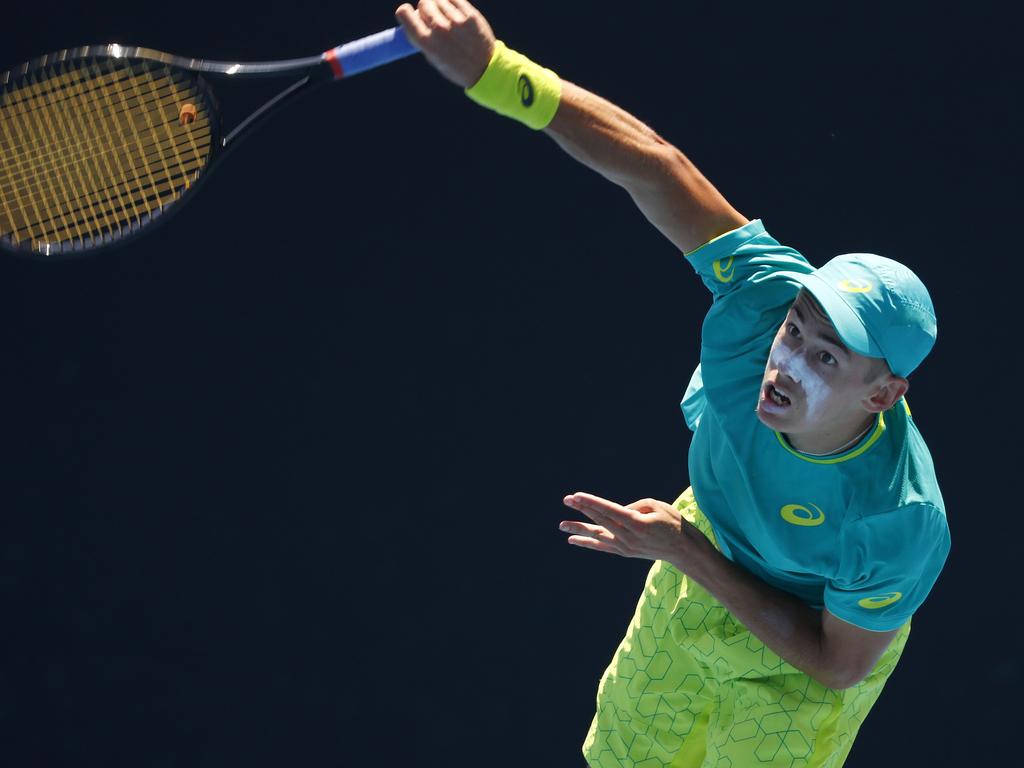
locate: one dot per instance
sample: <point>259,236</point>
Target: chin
<point>771,420</point>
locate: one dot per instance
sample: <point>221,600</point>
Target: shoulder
<point>897,473</point>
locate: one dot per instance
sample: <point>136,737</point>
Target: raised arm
<point>667,188</point>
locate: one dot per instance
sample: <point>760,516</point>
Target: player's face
<point>813,382</point>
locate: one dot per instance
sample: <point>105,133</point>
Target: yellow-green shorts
<point>690,687</point>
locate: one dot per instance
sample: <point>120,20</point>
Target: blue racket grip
<point>369,52</point>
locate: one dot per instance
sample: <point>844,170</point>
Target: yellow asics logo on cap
<point>880,601</point>
<point>724,271</point>
<point>855,286</point>
<point>798,514</point>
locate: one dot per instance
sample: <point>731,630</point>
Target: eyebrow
<point>823,334</point>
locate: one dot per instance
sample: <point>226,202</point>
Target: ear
<point>886,394</point>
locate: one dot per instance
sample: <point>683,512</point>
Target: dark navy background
<point>282,482</point>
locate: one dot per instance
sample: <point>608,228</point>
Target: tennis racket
<point>97,144</point>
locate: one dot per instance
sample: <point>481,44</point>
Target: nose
<point>786,374</point>
<point>787,363</point>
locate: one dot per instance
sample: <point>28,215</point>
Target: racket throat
<point>288,93</point>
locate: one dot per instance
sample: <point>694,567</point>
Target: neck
<point>832,440</point>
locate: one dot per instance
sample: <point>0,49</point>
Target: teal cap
<point>879,307</point>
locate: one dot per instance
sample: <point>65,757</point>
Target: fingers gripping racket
<point>99,143</point>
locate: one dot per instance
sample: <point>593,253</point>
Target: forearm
<point>669,190</point>
<point>608,139</point>
<point>789,627</point>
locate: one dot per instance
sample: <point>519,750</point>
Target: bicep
<point>852,651</point>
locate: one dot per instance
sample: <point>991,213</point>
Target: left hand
<point>647,529</point>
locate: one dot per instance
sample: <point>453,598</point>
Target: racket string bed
<point>73,134</point>
<point>92,149</point>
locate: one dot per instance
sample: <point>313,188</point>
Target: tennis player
<point>785,578</point>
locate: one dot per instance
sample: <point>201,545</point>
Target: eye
<point>826,358</point>
<point>793,331</point>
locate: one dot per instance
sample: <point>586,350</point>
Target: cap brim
<point>852,331</point>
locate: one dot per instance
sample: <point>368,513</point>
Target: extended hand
<point>647,529</point>
<point>453,36</point>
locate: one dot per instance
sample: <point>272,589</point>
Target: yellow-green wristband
<point>516,87</point>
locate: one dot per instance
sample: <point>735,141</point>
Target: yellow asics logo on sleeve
<point>880,601</point>
<point>855,286</point>
<point>724,271</point>
<point>798,514</point>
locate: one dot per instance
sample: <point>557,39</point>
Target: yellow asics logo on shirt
<point>880,601</point>
<point>724,271</point>
<point>855,286</point>
<point>798,514</point>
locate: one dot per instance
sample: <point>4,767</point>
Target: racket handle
<point>369,52</point>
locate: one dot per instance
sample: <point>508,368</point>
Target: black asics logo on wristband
<point>525,90</point>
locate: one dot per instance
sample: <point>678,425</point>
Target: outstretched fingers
<point>590,536</point>
<point>609,532</point>
<point>601,511</point>
<point>578,528</point>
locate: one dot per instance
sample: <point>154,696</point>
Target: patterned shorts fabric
<point>690,687</point>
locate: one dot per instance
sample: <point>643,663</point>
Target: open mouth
<point>775,396</point>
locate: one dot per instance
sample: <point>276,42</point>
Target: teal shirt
<point>862,533</point>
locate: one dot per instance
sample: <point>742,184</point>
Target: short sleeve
<point>748,304</point>
<point>743,257</point>
<point>889,563</point>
